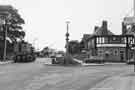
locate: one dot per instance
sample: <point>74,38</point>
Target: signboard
<point>111,45</point>
<point>133,48</point>
<point>129,20</point>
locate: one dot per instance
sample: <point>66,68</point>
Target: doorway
<point>122,56</point>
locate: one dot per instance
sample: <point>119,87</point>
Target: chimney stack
<point>95,28</point>
<point>105,27</point>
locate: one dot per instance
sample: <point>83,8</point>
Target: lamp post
<point>66,59</point>
<point>67,37</point>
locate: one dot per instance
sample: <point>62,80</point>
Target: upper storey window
<point>100,40</point>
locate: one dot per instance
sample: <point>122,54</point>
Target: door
<point>122,56</point>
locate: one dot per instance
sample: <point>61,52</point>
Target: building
<point>112,47</point>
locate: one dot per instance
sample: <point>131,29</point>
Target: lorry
<point>23,52</point>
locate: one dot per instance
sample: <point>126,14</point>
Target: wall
<point>112,53</point>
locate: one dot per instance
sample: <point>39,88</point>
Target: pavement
<point>6,62</point>
<point>87,64</point>
<point>122,82</point>
<point>47,61</point>
<point>95,64</point>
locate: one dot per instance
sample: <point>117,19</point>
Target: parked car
<point>130,61</point>
<point>94,59</point>
<point>57,59</point>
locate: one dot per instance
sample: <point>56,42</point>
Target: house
<point>113,47</point>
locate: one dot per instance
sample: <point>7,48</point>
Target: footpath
<point>95,64</point>
<point>5,62</point>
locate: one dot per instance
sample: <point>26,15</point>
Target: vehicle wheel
<point>29,58</point>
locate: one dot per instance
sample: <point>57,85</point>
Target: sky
<point>45,19</point>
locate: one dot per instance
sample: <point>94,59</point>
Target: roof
<point>6,7</point>
<point>86,37</point>
<point>101,31</point>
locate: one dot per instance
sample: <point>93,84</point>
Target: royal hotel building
<point>104,43</point>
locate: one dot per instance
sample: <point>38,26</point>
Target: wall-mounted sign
<point>111,45</point>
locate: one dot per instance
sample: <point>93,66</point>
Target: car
<point>94,59</point>
<point>57,59</point>
<point>130,61</point>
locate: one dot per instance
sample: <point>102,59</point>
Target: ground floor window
<point>116,52</point>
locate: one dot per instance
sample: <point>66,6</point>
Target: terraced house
<point>103,42</point>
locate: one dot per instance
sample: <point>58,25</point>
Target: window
<point>114,38</point>
<point>103,40</point>
<point>100,52</point>
<point>125,40</point>
<point>115,52</point>
<point>100,40</point>
<point>133,40</point>
<point>97,40</point>
<point>89,45</point>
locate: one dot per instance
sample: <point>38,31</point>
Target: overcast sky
<point>45,19</point>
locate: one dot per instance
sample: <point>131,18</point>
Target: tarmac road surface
<point>38,76</point>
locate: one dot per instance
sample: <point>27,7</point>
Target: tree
<point>13,23</point>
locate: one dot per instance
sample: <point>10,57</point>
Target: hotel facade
<point>104,43</point>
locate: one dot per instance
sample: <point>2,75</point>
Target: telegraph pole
<point>5,43</point>
<point>6,27</point>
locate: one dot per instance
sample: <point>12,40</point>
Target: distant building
<point>104,43</point>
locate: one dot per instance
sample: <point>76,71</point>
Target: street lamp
<point>67,57</point>
<point>67,37</point>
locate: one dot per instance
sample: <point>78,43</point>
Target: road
<point>38,76</point>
